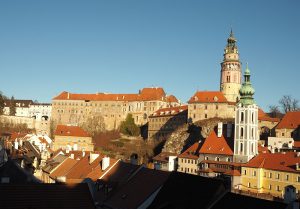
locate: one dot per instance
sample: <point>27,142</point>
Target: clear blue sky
<point>49,46</point>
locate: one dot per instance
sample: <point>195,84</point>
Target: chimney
<point>220,129</point>
<point>83,152</point>
<point>16,144</point>
<point>68,95</point>
<point>93,156</point>
<point>105,163</point>
<point>72,156</point>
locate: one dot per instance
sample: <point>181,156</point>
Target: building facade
<point>75,109</point>
<point>164,121</point>
<point>209,104</point>
<point>72,138</point>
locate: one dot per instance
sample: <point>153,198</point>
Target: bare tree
<point>274,111</point>
<point>288,103</point>
<point>94,124</point>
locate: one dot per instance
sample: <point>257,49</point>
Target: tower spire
<point>247,91</point>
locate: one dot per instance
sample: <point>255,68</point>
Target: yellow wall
<point>268,181</point>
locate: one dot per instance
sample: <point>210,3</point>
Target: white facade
<point>40,111</point>
<point>246,133</point>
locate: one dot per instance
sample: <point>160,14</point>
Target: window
<point>298,178</point>
<point>265,174</point>
<point>254,173</point>
<point>270,175</point>
<point>278,188</point>
<point>242,117</point>
<point>217,107</point>
<point>277,176</point>
<point>194,107</point>
<point>242,132</point>
<point>287,177</point>
<point>205,116</point>
<point>206,107</point>
<point>252,116</point>
<point>228,159</point>
<point>270,187</point>
<point>206,158</point>
<point>249,184</point>
<point>282,134</point>
<point>241,147</point>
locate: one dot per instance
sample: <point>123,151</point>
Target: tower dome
<point>247,91</point>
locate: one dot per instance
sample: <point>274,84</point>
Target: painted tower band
<point>230,83</point>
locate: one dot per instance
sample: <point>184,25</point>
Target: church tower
<point>230,82</point>
<point>246,123</point>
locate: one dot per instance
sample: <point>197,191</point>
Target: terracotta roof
<point>275,161</point>
<point>297,144</point>
<point>170,111</point>
<point>63,168</point>
<point>164,156</point>
<point>45,196</point>
<point>192,152</point>
<point>86,169</point>
<point>146,94</point>
<point>16,135</point>
<point>291,120</point>
<point>208,97</point>
<point>64,130</point>
<point>262,116</point>
<point>262,149</point>
<point>216,145</point>
<point>171,98</point>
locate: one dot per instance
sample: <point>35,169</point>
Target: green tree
<point>128,127</point>
<point>2,97</point>
<point>12,106</point>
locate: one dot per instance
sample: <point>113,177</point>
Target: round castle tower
<point>231,74</point>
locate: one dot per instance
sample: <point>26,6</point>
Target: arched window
<point>241,147</point>
<point>252,116</point>
<point>252,148</point>
<point>252,133</point>
<point>242,132</point>
<point>242,117</point>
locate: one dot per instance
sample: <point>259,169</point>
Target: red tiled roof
<point>275,161</point>
<point>262,149</point>
<point>16,135</point>
<point>145,94</point>
<point>85,169</point>
<point>192,152</point>
<point>216,145</point>
<point>297,144</point>
<point>171,98</point>
<point>64,130</point>
<point>208,97</point>
<point>63,168</point>
<point>164,156</point>
<point>170,111</point>
<point>262,116</point>
<point>291,120</point>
